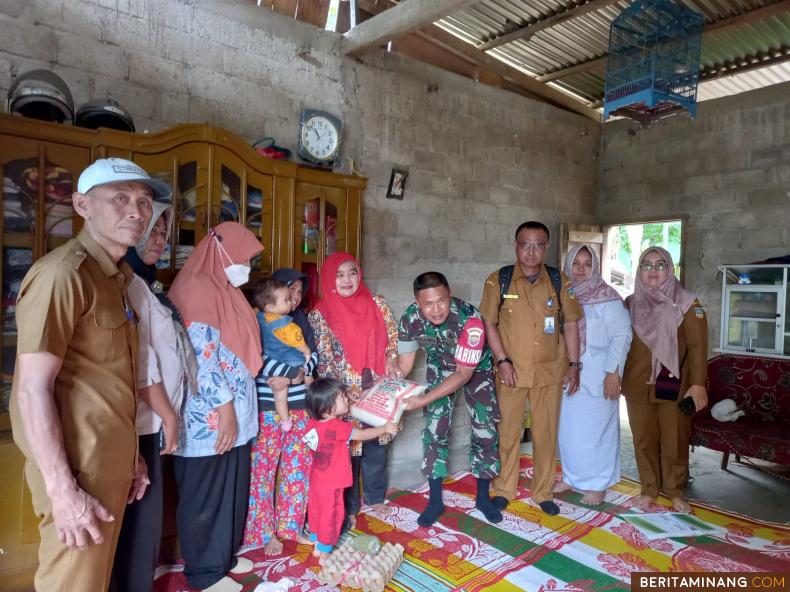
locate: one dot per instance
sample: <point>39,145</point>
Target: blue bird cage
<point>653,65</point>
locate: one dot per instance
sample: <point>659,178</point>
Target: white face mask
<point>238,274</point>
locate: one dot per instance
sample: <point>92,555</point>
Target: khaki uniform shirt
<point>539,356</point>
<point>71,304</point>
<point>692,354</point>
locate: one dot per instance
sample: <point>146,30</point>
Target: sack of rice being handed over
<point>383,401</point>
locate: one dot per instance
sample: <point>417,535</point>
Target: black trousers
<point>141,532</point>
<point>372,466</point>
<point>212,509</point>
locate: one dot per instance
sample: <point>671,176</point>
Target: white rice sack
<point>383,402</point>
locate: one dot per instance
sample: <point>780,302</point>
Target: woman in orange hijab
<point>212,462</point>
<point>357,341</point>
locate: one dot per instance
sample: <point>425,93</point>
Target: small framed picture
<point>397,183</point>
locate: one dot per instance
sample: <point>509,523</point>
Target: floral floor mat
<point>582,549</point>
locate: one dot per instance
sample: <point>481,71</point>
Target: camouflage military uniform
<point>440,344</point>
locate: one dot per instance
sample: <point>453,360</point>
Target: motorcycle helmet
<point>41,94</point>
<point>104,113</point>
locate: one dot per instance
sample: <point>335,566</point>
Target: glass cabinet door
<point>754,322</point>
<point>244,195</point>
<point>320,229</point>
<point>185,169</point>
<point>258,216</point>
<point>39,179</point>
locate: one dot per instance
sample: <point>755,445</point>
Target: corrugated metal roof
<point>586,38</point>
<point>732,85</point>
<point>582,42</point>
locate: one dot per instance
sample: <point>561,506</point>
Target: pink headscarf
<point>592,291</point>
<point>656,314</point>
<point>202,293</point>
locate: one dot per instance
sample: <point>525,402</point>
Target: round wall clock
<point>319,136</point>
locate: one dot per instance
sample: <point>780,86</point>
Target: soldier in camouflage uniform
<point>453,336</point>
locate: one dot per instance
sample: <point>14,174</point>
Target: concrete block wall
<point>727,174</point>
<point>481,160</point>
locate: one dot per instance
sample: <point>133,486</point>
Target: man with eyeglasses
<point>535,357</point>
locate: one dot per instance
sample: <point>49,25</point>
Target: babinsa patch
<point>699,312</point>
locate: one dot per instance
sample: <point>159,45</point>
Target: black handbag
<point>667,386</point>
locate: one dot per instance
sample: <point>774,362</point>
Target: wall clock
<point>319,136</point>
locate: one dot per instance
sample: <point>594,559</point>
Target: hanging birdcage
<point>653,65</point>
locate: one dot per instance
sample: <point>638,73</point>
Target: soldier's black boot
<point>484,504</point>
<point>435,506</point>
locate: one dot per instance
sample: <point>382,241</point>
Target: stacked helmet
<point>41,94</point>
<point>104,113</point>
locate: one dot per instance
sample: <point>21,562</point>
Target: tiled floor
<point>741,488</point>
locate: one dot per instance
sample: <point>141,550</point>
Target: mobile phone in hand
<point>687,406</point>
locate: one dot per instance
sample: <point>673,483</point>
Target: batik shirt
<point>332,361</point>
<point>448,344</point>
<point>222,377</point>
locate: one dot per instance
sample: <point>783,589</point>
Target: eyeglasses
<point>657,266</point>
<point>528,246</point>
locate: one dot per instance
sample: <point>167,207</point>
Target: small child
<point>282,338</point>
<point>328,436</point>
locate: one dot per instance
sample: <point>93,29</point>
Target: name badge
<point>511,296</point>
<point>548,325</point>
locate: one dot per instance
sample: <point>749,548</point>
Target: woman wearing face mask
<point>165,366</point>
<point>589,429</point>
<point>357,341</point>
<point>212,466</point>
<point>667,363</point>
<point>281,460</point>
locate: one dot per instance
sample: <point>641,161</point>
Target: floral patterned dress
<point>221,377</point>
<point>332,362</point>
<point>279,469</point>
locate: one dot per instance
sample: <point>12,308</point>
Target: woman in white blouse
<point>165,366</point>
<point>589,430</point>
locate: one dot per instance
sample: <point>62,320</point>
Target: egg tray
<point>364,571</point>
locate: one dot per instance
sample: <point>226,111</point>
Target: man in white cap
<point>73,399</point>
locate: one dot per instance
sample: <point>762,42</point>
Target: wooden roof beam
<point>528,85</point>
<point>527,31</point>
<point>719,26</point>
<point>401,19</point>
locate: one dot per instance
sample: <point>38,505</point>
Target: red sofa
<point>761,387</point>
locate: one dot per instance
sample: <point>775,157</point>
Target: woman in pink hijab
<point>664,377</point>
<point>220,416</point>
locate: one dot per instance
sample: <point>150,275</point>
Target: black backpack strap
<point>556,281</point>
<point>505,275</point>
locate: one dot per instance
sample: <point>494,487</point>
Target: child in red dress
<point>328,436</point>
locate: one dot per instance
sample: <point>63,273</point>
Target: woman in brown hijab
<point>667,363</point>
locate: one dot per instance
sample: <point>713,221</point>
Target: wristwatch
<point>575,365</point>
<point>501,361</point>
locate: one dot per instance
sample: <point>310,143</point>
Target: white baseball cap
<point>119,170</point>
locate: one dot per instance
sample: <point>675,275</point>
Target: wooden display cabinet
<point>326,221</point>
<point>215,177</point>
